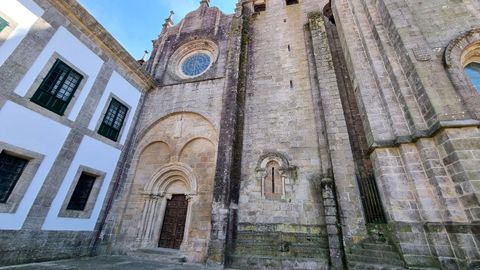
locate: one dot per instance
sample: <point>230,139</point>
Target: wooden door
<point>173,227</point>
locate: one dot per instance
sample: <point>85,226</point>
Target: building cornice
<point>86,23</point>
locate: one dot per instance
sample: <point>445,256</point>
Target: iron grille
<point>11,169</point>
<point>372,204</point>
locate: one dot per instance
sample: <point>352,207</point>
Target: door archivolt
<point>172,181</point>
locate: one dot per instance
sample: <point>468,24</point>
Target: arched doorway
<point>168,199</point>
<point>176,155</point>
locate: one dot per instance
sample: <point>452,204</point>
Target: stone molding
<point>86,23</point>
<point>170,173</point>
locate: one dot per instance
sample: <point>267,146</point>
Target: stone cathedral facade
<point>292,134</point>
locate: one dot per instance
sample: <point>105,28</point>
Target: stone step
<point>375,260</point>
<point>280,263</point>
<point>170,256</point>
<point>374,252</point>
<point>161,251</point>
<point>423,268</point>
<point>378,246</point>
<point>362,266</point>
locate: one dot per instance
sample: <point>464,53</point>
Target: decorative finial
<point>171,15</point>
<point>143,59</point>
<point>169,20</point>
<point>145,53</point>
<point>205,3</point>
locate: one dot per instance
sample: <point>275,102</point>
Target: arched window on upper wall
<point>462,60</point>
<point>473,73</point>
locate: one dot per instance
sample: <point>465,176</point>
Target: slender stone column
<point>147,233</point>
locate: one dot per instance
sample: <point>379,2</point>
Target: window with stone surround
<point>81,193</point>
<point>57,89</point>
<point>113,120</point>
<point>18,167</point>
<point>276,176</point>
<point>193,59</point>
<point>291,2</point>
<point>11,168</point>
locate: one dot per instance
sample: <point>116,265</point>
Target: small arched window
<point>473,73</point>
<point>275,176</point>
<point>273,184</point>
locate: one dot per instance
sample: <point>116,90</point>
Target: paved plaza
<point>106,263</point>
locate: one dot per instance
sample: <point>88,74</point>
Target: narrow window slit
<point>291,84</point>
<point>273,180</point>
<point>289,48</point>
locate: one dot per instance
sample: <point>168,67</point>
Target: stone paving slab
<point>105,263</point>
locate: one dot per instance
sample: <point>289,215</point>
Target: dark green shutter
<point>57,89</point>
<point>113,120</point>
<point>3,24</point>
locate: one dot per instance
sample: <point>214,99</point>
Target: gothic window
<point>58,87</point>
<point>113,120</point>
<point>196,64</point>
<point>3,24</point>
<point>81,193</point>
<point>273,183</point>
<point>11,169</point>
<point>473,73</point>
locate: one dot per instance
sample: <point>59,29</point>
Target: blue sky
<point>135,23</point>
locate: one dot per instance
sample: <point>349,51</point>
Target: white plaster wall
<point>75,52</point>
<point>25,13</point>
<point>121,88</point>
<point>29,130</point>
<point>93,154</point>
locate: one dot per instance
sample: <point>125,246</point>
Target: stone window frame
<point>259,5</point>
<point>43,74</point>
<point>190,48</point>
<point>5,33</point>
<point>104,112</point>
<point>287,172</point>
<point>26,178</point>
<point>460,52</point>
<point>92,199</point>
